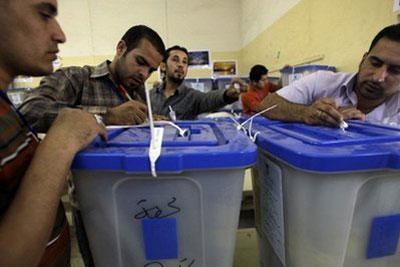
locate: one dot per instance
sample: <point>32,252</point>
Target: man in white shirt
<point>326,98</point>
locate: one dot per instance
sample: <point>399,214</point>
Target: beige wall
<point>326,32</point>
<point>258,15</point>
<point>270,32</point>
<point>93,27</point>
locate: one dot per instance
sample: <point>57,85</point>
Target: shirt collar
<point>160,88</point>
<point>348,87</point>
<point>101,70</point>
<point>181,87</point>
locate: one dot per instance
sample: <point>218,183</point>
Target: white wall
<point>205,24</point>
<point>74,19</point>
<point>93,27</point>
<point>258,15</point>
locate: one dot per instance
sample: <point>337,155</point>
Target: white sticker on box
<point>271,203</point>
<point>155,148</point>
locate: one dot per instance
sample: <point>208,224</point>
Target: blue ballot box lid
<point>362,146</point>
<point>208,145</point>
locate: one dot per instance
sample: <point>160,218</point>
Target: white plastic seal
<point>157,134</point>
<point>155,148</point>
<point>172,113</point>
<point>343,125</point>
<point>249,130</point>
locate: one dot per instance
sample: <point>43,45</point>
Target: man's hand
<point>239,84</point>
<point>324,111</point>
<point>131,112</point>
<point>77,128</point>
<point>351,112</point>
<point>157,117</point>
<point>236,87</point>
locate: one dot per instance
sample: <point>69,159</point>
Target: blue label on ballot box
<point>160,238</point>
<point>384,236</point>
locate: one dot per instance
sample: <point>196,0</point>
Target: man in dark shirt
<point>173,96</point>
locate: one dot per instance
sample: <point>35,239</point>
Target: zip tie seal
<point>255,115</point>
<point>172,113</point>
<point>155,148</point>
<point>343,125</point>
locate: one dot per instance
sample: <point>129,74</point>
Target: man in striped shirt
<point>113,89</point>
<point>33,175</point>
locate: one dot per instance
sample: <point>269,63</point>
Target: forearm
<point>285,110</point>
<point>228,99</point>
<point>27,224</point>
<point>210,101</point>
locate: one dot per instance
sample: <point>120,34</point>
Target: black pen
<point>123,90</point>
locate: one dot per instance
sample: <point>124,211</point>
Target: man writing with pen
<point>114,90</point>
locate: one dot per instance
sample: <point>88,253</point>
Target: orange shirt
<point>253,97</point>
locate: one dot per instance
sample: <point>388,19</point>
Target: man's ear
<point>121,48</point>
<point>163,66</point>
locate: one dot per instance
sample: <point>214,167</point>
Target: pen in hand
<point>123,90</point>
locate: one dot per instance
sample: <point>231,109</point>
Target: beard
<point>130,81</point>
<point>176,80</point>
<point>371,91</point>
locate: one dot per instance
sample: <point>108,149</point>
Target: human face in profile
<point>30,35</point>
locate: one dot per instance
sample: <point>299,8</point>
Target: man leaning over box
<point>106,90</point>
<point>327,98</point>
<point>113,89</point>
<point>33,227</point>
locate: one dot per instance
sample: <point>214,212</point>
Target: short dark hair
<point>136,33</point>
<point>391,32</point>
<point>256,72</point>
<point>175,47</point>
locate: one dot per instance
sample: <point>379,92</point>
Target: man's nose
<point>58,34</point>
<point>381,74</point>
<point>144,73</point>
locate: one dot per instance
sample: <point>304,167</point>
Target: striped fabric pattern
<point>17,146</point>
<point>90,88</point>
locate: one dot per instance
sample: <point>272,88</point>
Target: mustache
<point>373,85</point>
<point>139,78</point>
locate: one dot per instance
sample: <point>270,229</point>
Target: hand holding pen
<point>125,93</point>
<point>324,111</point>
<point>128,113</point>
